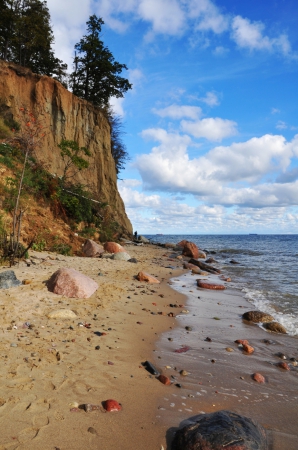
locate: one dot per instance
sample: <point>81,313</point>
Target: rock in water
<point>257,316</point>
<point>190,249</point>
<point>275,327</point>
<point>113,247</point>
<point>92,249</point>
<point>221,430</point>
<point>121,256</point>
<point>8,279</point>
<point>72,284</point>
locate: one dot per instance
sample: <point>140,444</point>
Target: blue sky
<point>211,123</point>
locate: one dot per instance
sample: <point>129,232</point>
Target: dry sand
<point>37,390</point>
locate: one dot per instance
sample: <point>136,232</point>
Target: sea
<point>265,272</point>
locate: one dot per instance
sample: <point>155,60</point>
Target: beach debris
<point>257,317</point>
<point>111,405</point>
<point>71,283</point>
<point>121,256</point>
<point>221,429</point>
<point>184,373</point>
<point>283,365</point>
<point>150,368</point>
<point>144,276</point>
<point>229,349</point>
<point>133,260</point>
<point>164,379</point>
<point>213,286</point>
<point>248,349</point>
<point>275,327</point>
<point>89,407</point>
<point>223,278</point>
<point>97,347</point>
<point>113,247</point>
<point>13,344</point>
<point>258,378</point>
<point>204,266</point>
<point>183,349</point>
<point>92,249</point>
<point>92,430</point>
<point>8,280</point>
<point>188,328</point>
<point>62,314</point>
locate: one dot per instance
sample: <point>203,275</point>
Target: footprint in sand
<point>28,434</point>
<point>40,421</point>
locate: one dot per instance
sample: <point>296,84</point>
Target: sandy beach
<point>56,363</point>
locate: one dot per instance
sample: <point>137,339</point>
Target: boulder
<point>190,249</point>
<point>113,247</point>
<point>182,243</point>
<point>221,430</point>
<point>213,286</point>
<point>121,256</point>
<point>92,249</point>
<point>143,239</point>
<point>8,279</point>
<point>275,327</point>
<point>257,316</point>
<point>62,314</point>
<point>144,276</point>
<point>71,283</point>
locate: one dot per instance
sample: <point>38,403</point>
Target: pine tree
<point>96,77</point>
<point>118,148</point>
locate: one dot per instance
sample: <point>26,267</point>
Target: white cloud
<point>220,50</point>
<point>275,111</point>
<point>177,112</point>
<point>213,129</point>
<point>165,17</point>
<point>281,125</point>
<point>207,15</point>
<point>116,104</point>
<point>210,99</point>
<point>135,77</point>
<point>250,35</point>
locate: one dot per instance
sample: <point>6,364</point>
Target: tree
<point>73,161</point>
<point>118,147</point>
<point>26,37</point>
<point>96,77</point>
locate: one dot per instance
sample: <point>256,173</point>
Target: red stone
<point>182,243</point>
<point>164,380</point>
<point>258,377</point>
<point>242,341</point>
<point>144,276</point>
<point>111,405</point>
<point>190,249</point>
<point>283,365</point>
<point>182,349</point>
<point>113,247</point>
<point>216,287</point>
<point>72,284</point>
<point>248,348</point>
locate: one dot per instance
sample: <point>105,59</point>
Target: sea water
<point>266,269</point>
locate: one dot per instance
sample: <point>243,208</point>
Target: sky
<point>211,124</point>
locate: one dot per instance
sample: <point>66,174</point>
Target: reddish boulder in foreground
<point>92,249</point>
<point>258,377</point>
<point>190,249</point>
<point>72,284</point>
<point>164,380</point>
<point>111,405</point>
<point>144,276</point>
<point>113,247</point>
<point>204,285</point>
<point>221,430</point>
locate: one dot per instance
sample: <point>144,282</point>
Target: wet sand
<point>55,362</point>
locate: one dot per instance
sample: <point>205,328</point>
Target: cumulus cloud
<point>250,35</point>
<point>210,99</point>
<point>281,125</point>
<point>207,15</point>
<point>213,129</point>
<point>178,112</point>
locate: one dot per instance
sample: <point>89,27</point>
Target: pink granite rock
<point>92,249</point>
<point>113,247</point>
<point>72,284</point>
<point>144,276</point>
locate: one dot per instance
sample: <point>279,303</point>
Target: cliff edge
<point>66,116</point>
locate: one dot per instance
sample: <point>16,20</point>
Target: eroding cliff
<point>65,116</point>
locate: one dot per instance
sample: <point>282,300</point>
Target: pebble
<point>184,373</point>
<point>258,377</point>
<point>281,355</point>
<point>164,380</point>
<point>13,344</point>
<point>97,347</point>
<point>92,430</point>
<point>111,405</point>
<point>283,365</point>
<point>229,349</point>
<point>188,328</point>
<point>248,349</point>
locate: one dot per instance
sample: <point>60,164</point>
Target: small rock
<point>26,282</point>
<point>188,328</point>
<point>133,260</point>
<point>111,405</point>
<point>13,344</point>
<point>92,430</point>
<point>183,349</point>
<point>144,276</point>
<point>234,262</point>
<point>258,377</point>
<point>283,365</point>
<point>248,349</point>
<point>275,327</point>
<point>150,368</point>
<point>281,355</point>
<point>8,279</point>
<point>62,314</point>
<point>184,373</point>
<point>97,347</point>
<point>164,380</point>
<point>229,349</point>
<point>241,341</point>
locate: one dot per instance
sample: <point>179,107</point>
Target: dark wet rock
<point>281,355</point>
<point>133,260</point>
<point>234,262</point>
<point>204,266</point>
<point>8,279</point>
<point>275,327</point>
<point>257,316</point>
<point>208,339</point>
<point>210,260</point>
<point>188,328</point>
<point>221,430</point>
<point>150,368</point>
<point>268,341</point>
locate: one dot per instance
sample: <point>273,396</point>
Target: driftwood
<point>204,266</point>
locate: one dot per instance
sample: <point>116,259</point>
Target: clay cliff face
<point>65,116</point>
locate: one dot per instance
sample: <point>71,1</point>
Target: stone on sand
<point>71,283</point>
<point>257,316</point>
<point>121,256</point>
<point>92,249</point>
<point>8,279</point>
<point>144,276</point>
<point>113,247</point>
<point>62,314</point>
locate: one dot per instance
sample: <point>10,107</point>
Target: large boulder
<point>8,279</point>
<point>190,249</point>
<point>71,283</point>
<point>144,276</point>
<point>257,316</point>
<point>92,249</point>
<point>221,430</point>
<point>143,239</point>
<point>121,256</point>
<point>113,247</point>
<point>275,327</point>
<point>182,243</point>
